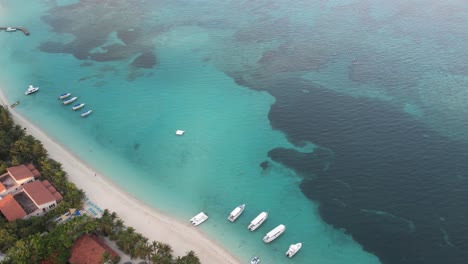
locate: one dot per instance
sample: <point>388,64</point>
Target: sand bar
<point>146,220</point>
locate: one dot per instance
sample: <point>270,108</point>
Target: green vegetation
<point>40,240</point>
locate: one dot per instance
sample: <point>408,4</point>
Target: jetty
<point>13,29</point>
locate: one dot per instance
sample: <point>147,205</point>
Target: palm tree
<point>189,258</point>
<point>164,250</point>
<point>106,224</point>
<point>145,251</point>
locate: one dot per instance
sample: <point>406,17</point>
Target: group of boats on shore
<point>66,100</point>
<point>254,224</point>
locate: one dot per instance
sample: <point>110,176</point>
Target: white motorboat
<point>255,260</point>
<point>10,29</point>
<point>258,221</point>
<point>65,95</point>
<point>71,100</point>
<point>31,90</point>
<point>78,106</point>
<point>198,219</point>
<point>180,132</point>
<point>87,113</point>
<point>275,233</point>
<point>236,213</point>
<point>293,249</point>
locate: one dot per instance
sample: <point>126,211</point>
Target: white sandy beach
<point>146,220</point>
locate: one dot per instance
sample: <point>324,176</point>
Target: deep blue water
<point>395,185</point>
<point>355,109</point>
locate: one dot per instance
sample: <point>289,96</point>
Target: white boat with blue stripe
<point>78,106</point>
<point>64,96</point>
<point>69,101</point>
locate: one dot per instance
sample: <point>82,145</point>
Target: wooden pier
<point>24,30</point>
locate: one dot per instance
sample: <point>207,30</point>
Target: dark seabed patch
<point>264,165</point>
<point>146,60</point>
<point>100,84</point>
<point>120,17</point>
<point>86,64</point>
<point>389,180</point>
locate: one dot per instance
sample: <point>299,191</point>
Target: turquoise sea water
<point>202,52</point>
<point>130,136</point>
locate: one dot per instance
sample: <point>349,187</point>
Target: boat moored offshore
<point>87,113</point>
<point>236,213</point>
<point>293,249</point>
<point>198,219</point>
<point>275,233</point>
<point>65,95</point>
<point>31,89</point>
<point>69,101</point>
<point>258,221</point>
<point>255,260</point>
<point>78,106</point>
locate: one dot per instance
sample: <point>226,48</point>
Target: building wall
<point>43,209</point>
<point>12,190</point>
<point>21,182</point>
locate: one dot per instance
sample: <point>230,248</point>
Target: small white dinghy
<point>255,260</point>
<point>293,249</point>
<point>198,219</point>
<point>179,132</point>
<point>87,113</point>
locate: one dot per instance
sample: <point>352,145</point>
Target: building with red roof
<point>11,209</point>
<point>34,199</point>
<point>16,176</point>
<point>90,249</point>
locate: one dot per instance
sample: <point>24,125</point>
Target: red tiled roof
<point>38,192</point>
<point>20,172</point>
<point>11,209</point>
<point>89,250</point>
<point>2,187</point>
<point>46,183</point>
<point>58,196</point>
<point>51,188</point>
<point>36,173</point>
<point>30,166</point>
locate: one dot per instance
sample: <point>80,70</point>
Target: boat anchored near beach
<point>78,106</point>
<point>198,219</point>
<point>255,260</point>
<point>31,89</point>
<point>293,249</point>
<point>64,96</point>
<point>15,104</point>
<point>71,100</point>
<point>236,213</point>
<point>274,234</point>
<point>87,113</point>
<point>258,221</point>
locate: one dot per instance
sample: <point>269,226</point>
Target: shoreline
<point>135,213</point>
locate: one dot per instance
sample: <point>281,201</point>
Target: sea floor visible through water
<point>130,138</point>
